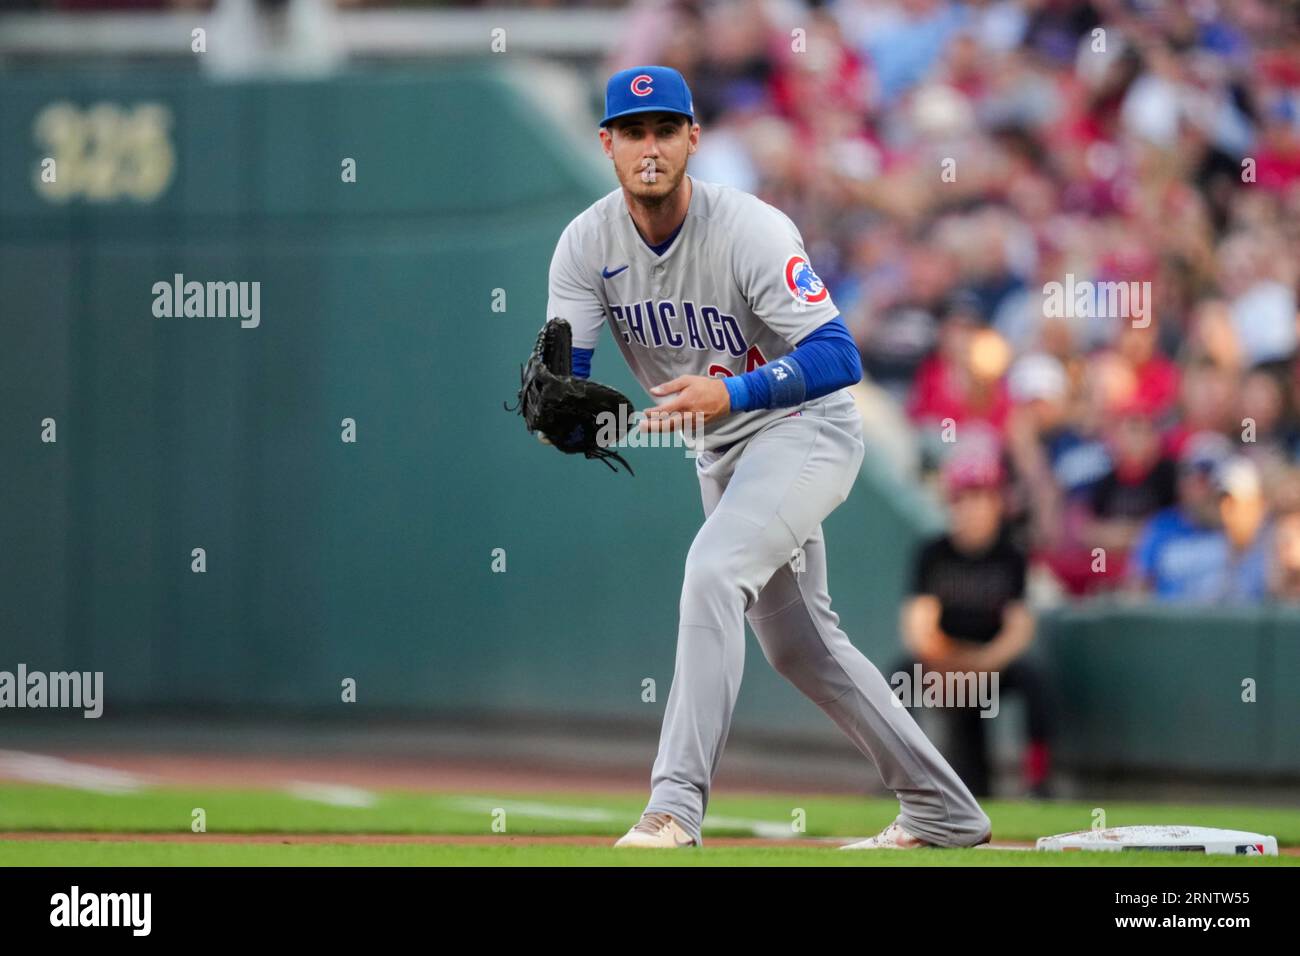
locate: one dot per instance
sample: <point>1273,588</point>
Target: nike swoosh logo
<point>609,275</point>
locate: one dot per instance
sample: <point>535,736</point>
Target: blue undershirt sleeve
<point>825,361</point>
<point>582,362</point>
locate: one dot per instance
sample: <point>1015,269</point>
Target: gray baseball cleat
<point>894,837</point>
<point>656,831</point>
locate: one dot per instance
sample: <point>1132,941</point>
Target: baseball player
<point>717,310</point>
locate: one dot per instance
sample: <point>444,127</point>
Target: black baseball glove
<point>573,414</point>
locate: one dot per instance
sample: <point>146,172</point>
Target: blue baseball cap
<point>647,89</point>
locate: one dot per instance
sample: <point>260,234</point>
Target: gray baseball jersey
<point>733,291</point>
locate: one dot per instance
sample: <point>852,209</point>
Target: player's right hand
<point>692,395</point>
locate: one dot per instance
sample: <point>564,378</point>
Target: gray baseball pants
<point>764,498</point>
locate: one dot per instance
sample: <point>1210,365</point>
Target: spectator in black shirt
<point>967,614</point>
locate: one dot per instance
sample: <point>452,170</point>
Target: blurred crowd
<point>947,162</point>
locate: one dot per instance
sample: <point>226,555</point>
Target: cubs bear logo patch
<point>802,282</point>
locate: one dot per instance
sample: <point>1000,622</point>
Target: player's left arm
<point>772,269</point>
<point>571,295</point>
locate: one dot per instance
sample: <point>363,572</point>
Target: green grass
<point>78,853</point>
<point>38,808</point>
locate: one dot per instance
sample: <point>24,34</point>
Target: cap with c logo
<point>647,89</point>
